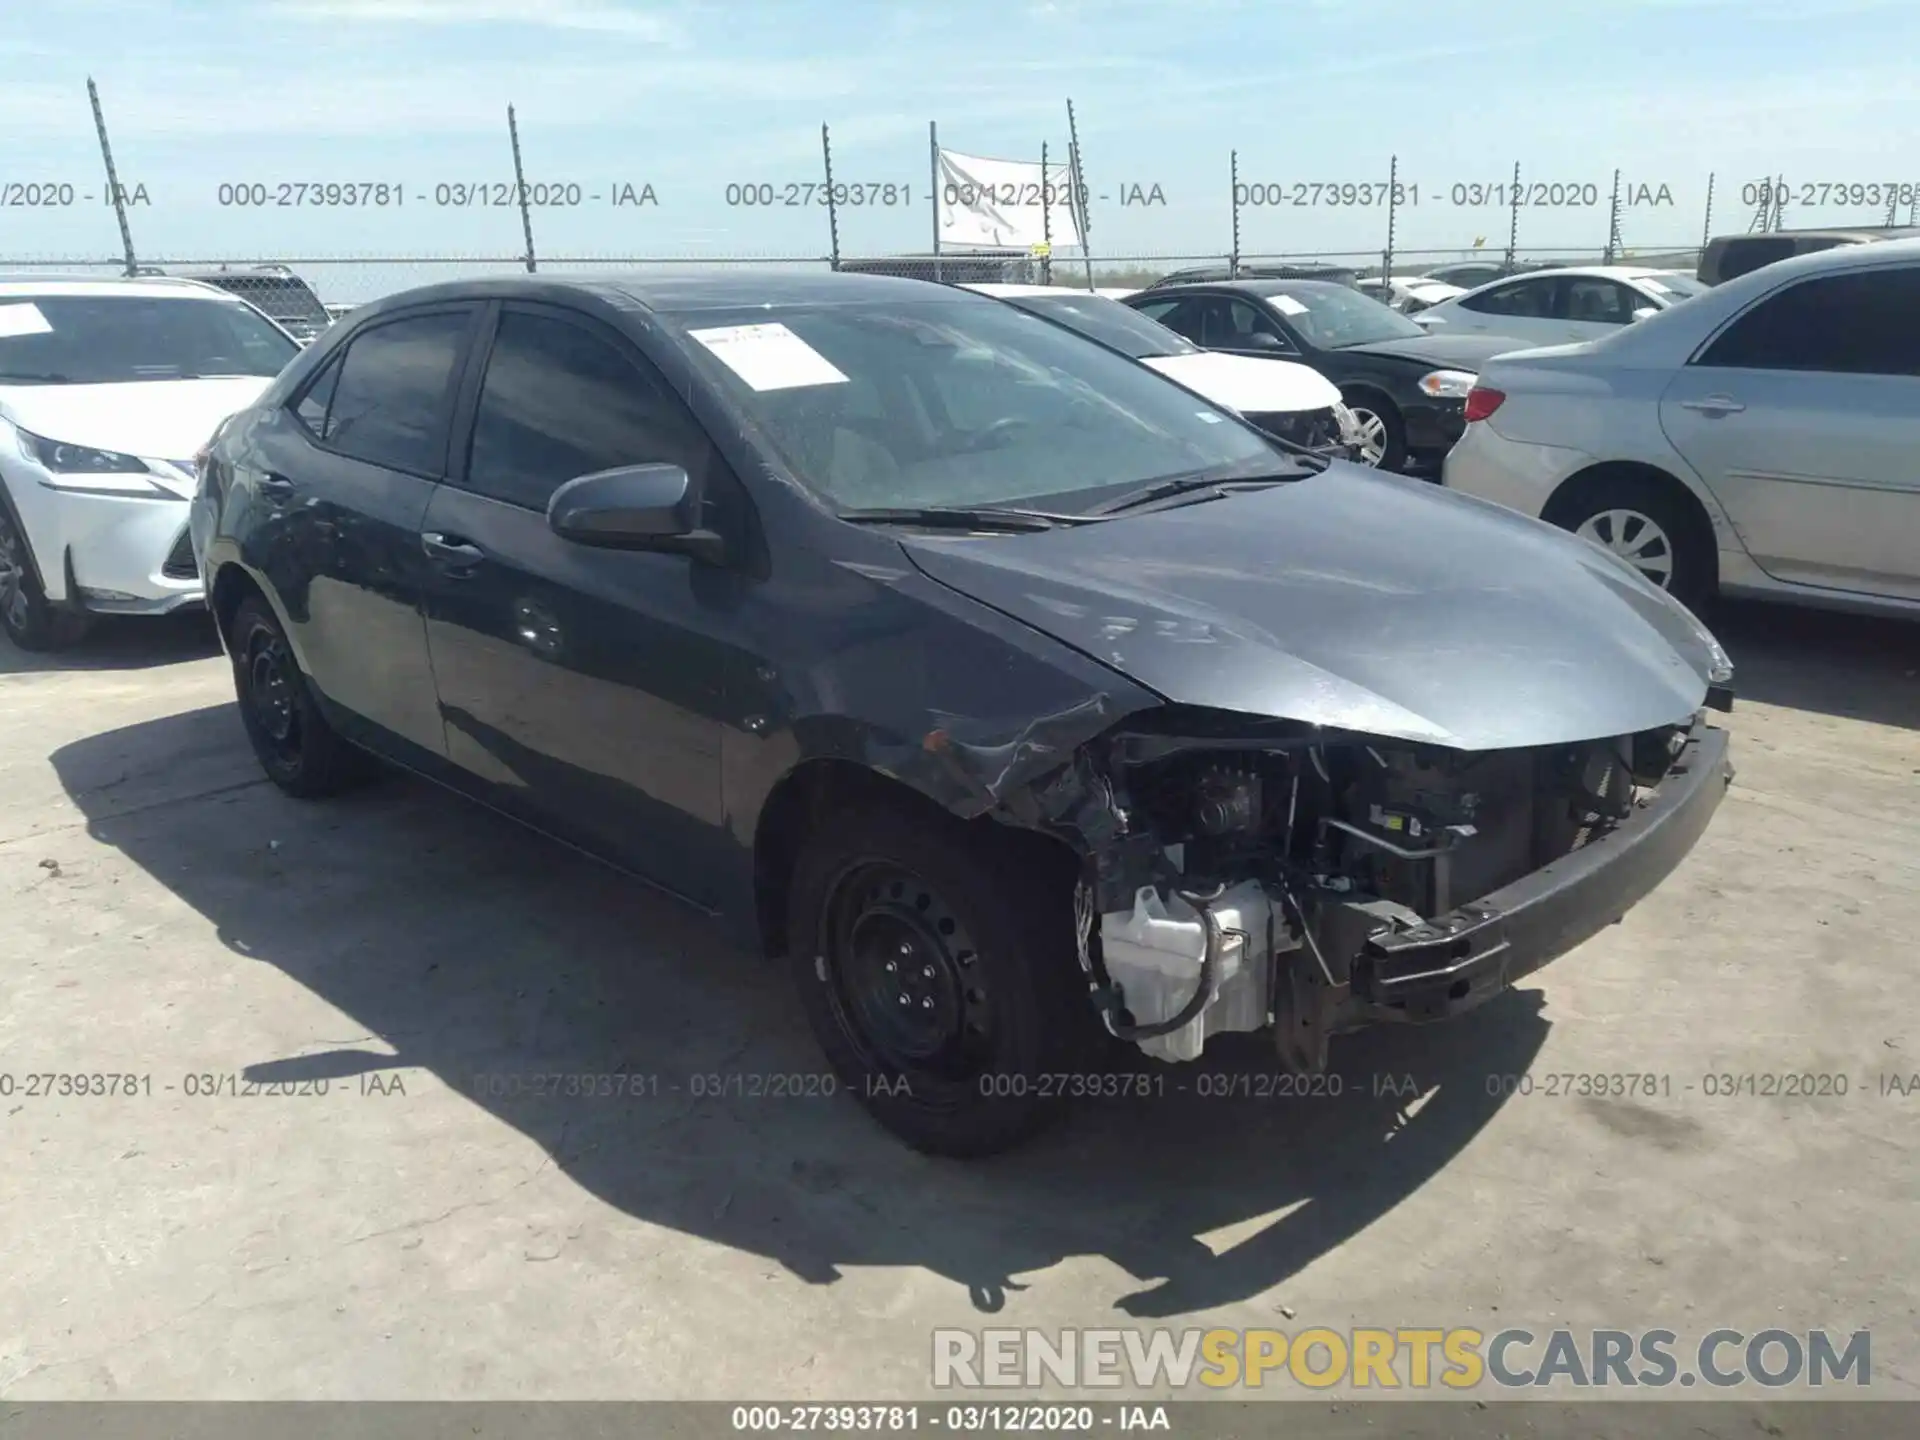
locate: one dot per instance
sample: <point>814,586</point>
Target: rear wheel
<point>31,621</point>
<point>1642,521</point>
<point>298,749</point>
<point>1382,433</point>
<point>938,975</point>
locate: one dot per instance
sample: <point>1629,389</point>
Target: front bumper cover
<point>1462,959</point>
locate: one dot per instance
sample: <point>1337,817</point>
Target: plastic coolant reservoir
<point>1153,953</point>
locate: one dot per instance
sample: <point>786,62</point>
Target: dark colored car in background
<point>274,290</point>
<point>1021,699</point>
<point>1406,387</point>
<point>1729,256</point>
<point>1256,270</point>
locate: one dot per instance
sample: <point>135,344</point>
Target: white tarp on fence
<point>1004,203</point>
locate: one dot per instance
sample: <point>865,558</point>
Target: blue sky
<point>687,95</point>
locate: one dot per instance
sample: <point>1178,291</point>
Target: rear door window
<point>1864,322</point>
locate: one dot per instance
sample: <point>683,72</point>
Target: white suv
<point>108,391</point>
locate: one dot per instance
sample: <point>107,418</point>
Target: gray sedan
<point>1763,438</point>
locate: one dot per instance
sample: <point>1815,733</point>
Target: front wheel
<point>1381,433</point>
<point>938,976</point>
<point>31,621</point>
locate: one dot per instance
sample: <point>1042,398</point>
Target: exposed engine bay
<point>1244,874</point>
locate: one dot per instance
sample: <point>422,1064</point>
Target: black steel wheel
<point>295,745</point>
<point>935,962</point>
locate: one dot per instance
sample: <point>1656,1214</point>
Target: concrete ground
<point>168,916</point>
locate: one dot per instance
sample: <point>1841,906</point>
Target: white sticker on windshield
<point>1287,305</point>
<point>23,320</point>
<point>769,357</point>
<point>1210,417</point>
<point>1655,286</point>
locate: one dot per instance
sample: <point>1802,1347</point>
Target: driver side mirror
<point>1261,340</point>
<point>634,507</point>
<point>1646,311</point>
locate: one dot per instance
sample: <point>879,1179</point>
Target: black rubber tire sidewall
<point>321,764</point>
<point>48,626</point>
<point>1023,929</point>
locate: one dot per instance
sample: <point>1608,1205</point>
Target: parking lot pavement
<point>429,1227</point>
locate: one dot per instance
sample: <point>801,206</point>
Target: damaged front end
<point>1242,874</point>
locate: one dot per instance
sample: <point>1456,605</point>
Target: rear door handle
<point>1714,405</point>
<point>454,555</point>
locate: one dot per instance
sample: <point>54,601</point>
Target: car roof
<point>175,288</point>
<point>1594,272</point>
<point>1002,290</point>
<point>723,290</point>
<point>1257,285</point>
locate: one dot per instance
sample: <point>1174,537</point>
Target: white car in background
<point>108,391</point>
<point>1282,397</point>
<point>1551,307</point>
<point>1409,294</point>
<point>1762,439</point>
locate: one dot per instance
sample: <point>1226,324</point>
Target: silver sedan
<point>1763,438</point>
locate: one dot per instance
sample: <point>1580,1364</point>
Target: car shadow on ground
<point>489,957</point>
<point>119,642</point>
<point>1856,667</point>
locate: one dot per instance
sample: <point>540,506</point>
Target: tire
<point>1381,421</point>
<point>295,745</point>
<point>987,974</point>
<point>31,621</point>
<point>1644,522</point>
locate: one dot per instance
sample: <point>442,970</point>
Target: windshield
<point>1671,286</point>
<point>1109,322</point>
<point>1332,316</point>
<point>109,339</point>
<point>959,401</point>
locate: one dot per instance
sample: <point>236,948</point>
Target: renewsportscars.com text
<point>1457,1358</point>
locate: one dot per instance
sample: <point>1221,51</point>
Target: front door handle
<point>455,556</point>
<point>1715,405</point>
<point>276,486</point>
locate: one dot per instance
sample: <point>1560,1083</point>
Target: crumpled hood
<point>1356,600</point>
<point>154,419</point>
<point>1249,384</point>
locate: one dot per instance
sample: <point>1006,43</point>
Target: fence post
<point>520,187</point>
<point>1613,223</point>
<point>1046,217</point>
<point>113,181</point>
<point>1706,228</point>
<point>1393,219</point>
<point>1233,260</point>
<point>833,207</point>
<point>1513,222</point>
<point>933,165</point>
<point>1079,173</point>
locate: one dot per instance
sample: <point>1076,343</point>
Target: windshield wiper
<point>1198,487</point>
<point>959,517</point>
<point>37,377</point>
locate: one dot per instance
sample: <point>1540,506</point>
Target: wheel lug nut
<point>891,967</point>
<point>905,1001</point>
<point>927,970</point>
<point>926,1004</point>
